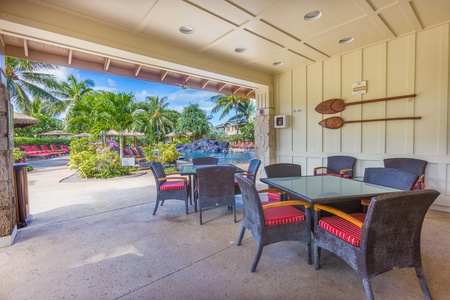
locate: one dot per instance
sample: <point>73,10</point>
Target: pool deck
<point>99,240</point>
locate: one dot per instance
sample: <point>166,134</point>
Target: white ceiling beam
<point>164,74</point>
<point>25,47</point>
<point>205,84</point>
<point>405,6</point>
<point>221,87</point>
<point>137,70</point>
<point>374,17</point>
<point>69,57</point>
<point>107,63</point>
<point>236,90</point>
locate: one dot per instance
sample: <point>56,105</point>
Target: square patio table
<point>327,189</point>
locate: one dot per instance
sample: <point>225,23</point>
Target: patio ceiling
<point>268,31</point>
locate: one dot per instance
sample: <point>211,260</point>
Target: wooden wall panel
<point>331,90</point>
<point>398,133</point>
<point>374,73</point>
<point>284,135</point>
<point>431,100</point>
<point>351,73</point>
<point>314,97</point>
<point>299,119</point>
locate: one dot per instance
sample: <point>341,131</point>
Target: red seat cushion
<point>283,215</point>
<point>273,196</point>
<point>135,151</point>
<point>171,185</point>
<point>343,229</point>
<point>332,174</point>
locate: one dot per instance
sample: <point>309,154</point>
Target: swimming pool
<point>224,157</point>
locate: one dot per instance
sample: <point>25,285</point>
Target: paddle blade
<point>331,106</point>
<point>332,123</point>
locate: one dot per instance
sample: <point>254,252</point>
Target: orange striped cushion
<point>172,185</point>
<point>283,215</point>
<point>343,229</point>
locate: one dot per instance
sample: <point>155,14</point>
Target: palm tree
<point>25,81</point>
<point>246,111</point>
<point>117,111</point>
<point>71,91</point>
<point>226,103</point>
<point>87,115</point>
<point>156,115</point>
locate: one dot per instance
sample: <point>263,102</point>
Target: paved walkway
<point>99,240</point>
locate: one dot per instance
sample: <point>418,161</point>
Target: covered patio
<point>99,240</point>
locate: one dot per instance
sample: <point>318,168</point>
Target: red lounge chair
<point>55,149</point>
<point>51,152</point>
<point>65,149</point>
<point>31,152</point>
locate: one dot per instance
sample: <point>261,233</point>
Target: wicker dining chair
<point>215,188</point>
<point>251,173</point>
<point>281,170</point>
<point>206,160</point>
<point>169,187</point>
<point>384,239</point>
<point>338,165</point>
<point>273,222</point>
<point>412,165</point>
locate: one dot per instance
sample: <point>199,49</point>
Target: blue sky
<point>176,96</point>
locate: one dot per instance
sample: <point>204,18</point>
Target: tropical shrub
<point>18,155</point>
<point>92,161</point>
<point>164,153</point>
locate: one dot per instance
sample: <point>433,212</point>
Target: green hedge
<point>26,141</point>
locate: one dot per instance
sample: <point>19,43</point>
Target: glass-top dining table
<point>191,171</point>
<point>327,189</point>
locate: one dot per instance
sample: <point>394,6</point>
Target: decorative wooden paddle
<point>333,106</point>
<point>338,122</point>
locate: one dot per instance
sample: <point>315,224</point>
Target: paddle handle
<point>385,119</point>
<point>380,99</point>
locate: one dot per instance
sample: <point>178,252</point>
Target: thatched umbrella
<point>56,133</point>
<point>82,135</point>
<point>22,121</point>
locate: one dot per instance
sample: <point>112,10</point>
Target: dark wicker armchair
<point>387,238</point>
<point>215,188</point>
<point>167,188</point>
<point>206,160</point>
<point>412,165</point>
<point>337,166</point>
<point>281,170</point>
<point>251,173</point>
<point>273,222</point>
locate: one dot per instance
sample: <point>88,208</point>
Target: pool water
<point>224,157</point>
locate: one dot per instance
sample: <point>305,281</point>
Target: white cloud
<point>111,82</point>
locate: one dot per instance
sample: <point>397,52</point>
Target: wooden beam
<point>25,47</point>
<point>205,84</point>
<point>107,62</point>
<point>164,74</point>
<point>137,70</point>
<point>69,57</point>
<point>222,87</point>
<point>236,90</point>
<point>249,92</point>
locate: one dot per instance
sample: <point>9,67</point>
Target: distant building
<point>230,127</point>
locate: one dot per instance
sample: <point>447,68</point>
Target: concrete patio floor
<point>99,240</point>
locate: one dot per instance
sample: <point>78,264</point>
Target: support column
<point>8,227</point>
<point>265,134</point>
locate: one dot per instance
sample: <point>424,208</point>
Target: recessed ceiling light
<point>240,50</point>
<point>186,29</point>
<point>313,15</point>
<point>346,40</point>
<point>277,63</point>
